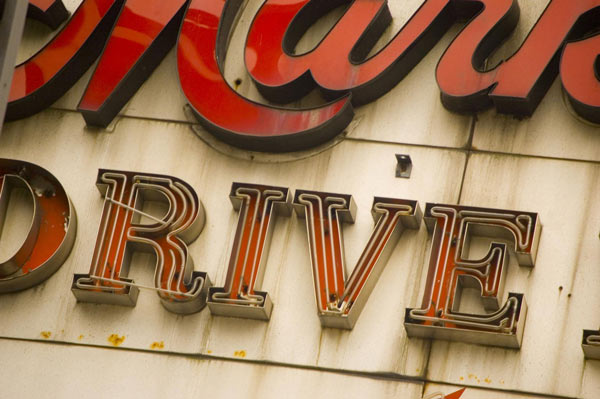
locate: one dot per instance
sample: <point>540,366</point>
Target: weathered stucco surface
<point>549,163</point>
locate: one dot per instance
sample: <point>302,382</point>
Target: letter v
<point>340,300</point>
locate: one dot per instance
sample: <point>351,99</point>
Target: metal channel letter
<point>450,271</point>
<point>180,288</point>
<point>143,34</point>
<point>50,12</point>
<point>591,344</point>
<point>257,205</point>
<point>339,299</point>
<point>51,232</point>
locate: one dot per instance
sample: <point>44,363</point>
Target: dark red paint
<point>518,84</point>
<point>43,5</point>
<point>144,33</point>
<point>47,75</point>
<point>580,74</point>
<point>226,114</point>
<point>338,64</point>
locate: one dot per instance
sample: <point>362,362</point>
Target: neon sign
<point>51,232</point>
<point>563,42</point>
<point>126,227</point>
<point>258,205</point>
<point>339,299</point>
<point>180,288</point>
<point>450,271</point>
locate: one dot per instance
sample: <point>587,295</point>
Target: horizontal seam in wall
<point>371,141</point>
<point>361,374</point>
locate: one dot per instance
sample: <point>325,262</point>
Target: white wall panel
<point>554,130</point>
<point>561,290</point>
<point>377,343</point>
<point>390,119</point>
<point>36,34</point>
<point>74,372</point>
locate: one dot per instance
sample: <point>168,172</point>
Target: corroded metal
<point>340,300</point>
<point>180,288</point>
<point>51,231</point>
<point>450,271</point>
<point>258,205</point>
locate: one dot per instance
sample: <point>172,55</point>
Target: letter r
<point>52,228</point>
<point>180,288</point>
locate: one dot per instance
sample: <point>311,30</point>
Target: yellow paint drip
<point>80,337</point>
<point>46,334</point>
<point>116,340</point>
<point>157,345</point>
<point>239,354</point>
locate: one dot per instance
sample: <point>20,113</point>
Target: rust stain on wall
<point>241,353</point>
<point>157,345</point>
<point>116,340</point>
